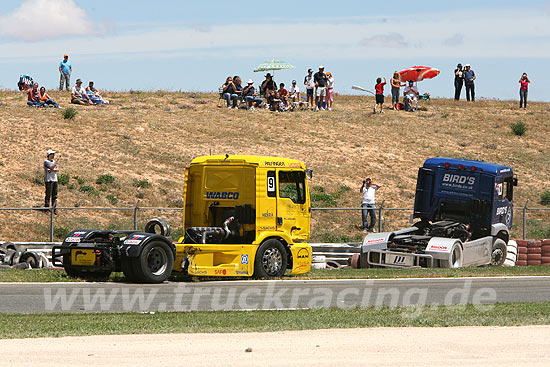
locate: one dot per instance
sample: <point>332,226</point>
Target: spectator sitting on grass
<point>78,94</point>
<point>249,93</point>
<point>268,85</point>
<point>283,94</point>
<point>46,99</point>
<point>273,101</point>
<point>33,97</point>
<point>94,94</point>
<point>229,92</point>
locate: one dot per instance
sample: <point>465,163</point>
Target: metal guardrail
<point>136,210</point>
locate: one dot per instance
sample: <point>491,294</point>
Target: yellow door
<point>293,215</point>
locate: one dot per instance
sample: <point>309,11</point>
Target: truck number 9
<point>271,184</point>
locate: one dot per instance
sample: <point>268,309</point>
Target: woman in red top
<point>379,88</point>
<point>524,84</point>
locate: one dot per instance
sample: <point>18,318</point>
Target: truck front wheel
<point>154,265</point>
<point>271,260</point>
<point>498,255</point>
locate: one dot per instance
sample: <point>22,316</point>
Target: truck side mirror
<point>309,173</point>
<point>515,181</point>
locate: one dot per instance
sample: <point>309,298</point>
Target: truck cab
<point>465,211</point>
<point>234,205</point>
<point>476,193</point>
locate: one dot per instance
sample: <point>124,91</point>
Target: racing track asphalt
<point>279,294</point>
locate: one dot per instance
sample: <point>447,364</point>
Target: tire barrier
<point>533,252</point>
<point>318,262</point>
<point>18,257</point>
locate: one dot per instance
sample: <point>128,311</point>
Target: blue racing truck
<point>464,211</point>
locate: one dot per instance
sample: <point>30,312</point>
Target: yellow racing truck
<point>243,216</point>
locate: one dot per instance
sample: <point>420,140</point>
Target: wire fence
<point>387,217</point>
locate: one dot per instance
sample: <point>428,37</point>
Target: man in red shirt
<point>33,96</point>
<point>379,88</point>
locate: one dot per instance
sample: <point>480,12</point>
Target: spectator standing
<point>78,94</point>
<point>379,89</point>
<point>330,90</point>
<point>320,81</point>
<point>33,96</point>
<point>65,70</point>
<point>46,99</point>
<point>249,95</point>
<point>309,83</point>
<point>368,189</point>
<point>469,77</point>
<point>230,92</point>
<point>295,92</point>
<point>524,86</point>
<point>50,180</point>
<point>396,85</point>
<point>459,81</point>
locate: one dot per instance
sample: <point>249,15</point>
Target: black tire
<point>154,264</point>
<point>498,254</point>
<point>128,268</point>
<point>271,260</point>
<point>71,271</point>
<point>32,258</point>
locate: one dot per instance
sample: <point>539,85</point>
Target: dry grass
<point>154,135</point>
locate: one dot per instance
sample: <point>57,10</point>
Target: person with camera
<point>50,180</point>
<point>459,81</point>
<point>469,77</point>
<point>368,189</point>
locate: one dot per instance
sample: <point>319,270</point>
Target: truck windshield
<point>292,186</point>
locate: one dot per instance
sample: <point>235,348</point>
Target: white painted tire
<point>512,250</point>
<point>509,263</point>
<point>319,265</point>
<point>319,259</point>
<point>513,243</point>
<point>511,257</point>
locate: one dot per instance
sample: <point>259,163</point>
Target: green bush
<point>105,179</point>
<point>322,200</point>
<point>69,113</point>
<point>87,189</point>
<point>112,199</point>
<point>60,232</point>
<point>63,179</point>
<point>79,180</point>
<point>141,183</point>
<point>519,128</point>
<point>545,198</point>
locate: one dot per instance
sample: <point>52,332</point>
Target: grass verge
<point>58,325</point>
<point>11,275</point>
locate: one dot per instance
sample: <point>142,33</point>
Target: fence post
<point>52,214</point>
<point>525,219</point>
<point>136,218</point>
<point>380,216</point>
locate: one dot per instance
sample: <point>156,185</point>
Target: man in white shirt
<point>78,94</point>
<point>294,92</point>
<point>368,204</point>
<point>411,96</point>
<point>309,83</point>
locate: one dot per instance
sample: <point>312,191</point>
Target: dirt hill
<point>133,152</point>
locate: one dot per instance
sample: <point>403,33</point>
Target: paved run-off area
<point>453,346</point>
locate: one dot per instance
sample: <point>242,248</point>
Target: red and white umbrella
<point>418,73</point>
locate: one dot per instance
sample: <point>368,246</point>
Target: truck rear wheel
<point>155,263</point>
<point>455,258</point>
<point>498,255</point>
<point>271,260</point>
<point>71,271</point>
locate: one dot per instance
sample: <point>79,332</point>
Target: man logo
<point>244,259</point>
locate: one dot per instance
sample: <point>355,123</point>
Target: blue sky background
<point>194,46</point>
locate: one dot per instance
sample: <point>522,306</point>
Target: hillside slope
<point>144,141</point>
